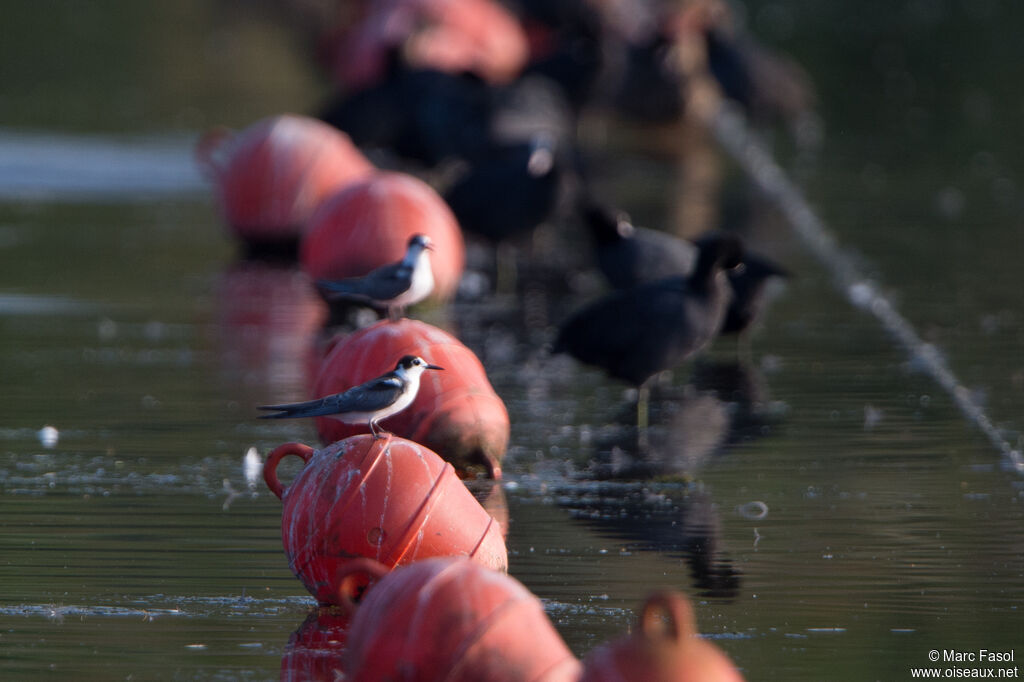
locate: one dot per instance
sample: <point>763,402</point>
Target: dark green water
<point>893,527</point>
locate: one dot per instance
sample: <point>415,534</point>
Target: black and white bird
<point>392,287</point>
<point>640,332</point>
<point>371,402</point>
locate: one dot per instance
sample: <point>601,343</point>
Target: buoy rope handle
<point>667,615</point>
<point>355,577</point>
<point>275,457</point>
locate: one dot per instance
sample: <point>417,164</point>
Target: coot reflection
<point>677,525</point>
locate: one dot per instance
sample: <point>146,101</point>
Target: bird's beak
<point>429,246</point>
<point>433,367</point>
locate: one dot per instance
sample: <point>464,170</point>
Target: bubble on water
<point>754,510</point>
<point>48,436</point>
<point>872,416</point>
<point>106,329</point>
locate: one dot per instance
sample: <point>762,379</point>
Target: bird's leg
<point>373,430</point>
<point>744,348</point>
<point>394,313</point>
<point>643,394</point>
<point>506,270</point>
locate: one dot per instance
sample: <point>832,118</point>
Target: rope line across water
<point>731,131</point>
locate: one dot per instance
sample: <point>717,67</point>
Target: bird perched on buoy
<point>371,402</point>
<point>637,333</point>
<point>392,287</point>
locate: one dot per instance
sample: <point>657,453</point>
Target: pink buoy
<point>478,36</point>
<point>456,412</point>
<point>369,224</point>
<point>386,499</point>
<point>270,176</point>
<point>665,647</point>
<point>453,620</point>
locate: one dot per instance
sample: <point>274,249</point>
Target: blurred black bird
<point>652,88</point>
<point>637,333</point>
<point>430,117</point>
<point>531,107</point>
<point>770,87</point>
<point>511,192</point>
<point>572,45</point>
<point>628,256</point>
<point>422,115</point>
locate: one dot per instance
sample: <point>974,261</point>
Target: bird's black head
<point>409,362</point>
<point>422,241</point>
<point>722,250</point>
<point>606,224</point>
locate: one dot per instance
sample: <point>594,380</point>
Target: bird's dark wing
<point>373,395</point>
<point>367,397</point>
<point>598,333</point>
<point>648,256</point>
<point>636,333</point>
<point>310,408</point>
<point>383,284</point>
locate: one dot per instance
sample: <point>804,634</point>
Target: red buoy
<point>490,493</point>
<point>388,499</point>
<point>664,648</point>
<point>456,412</point>
<point>272,175</point>
<point>478,36</point>
<point>369,224</point>
<point>450,619</point>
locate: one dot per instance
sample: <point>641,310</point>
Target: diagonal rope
<point>731,131</point>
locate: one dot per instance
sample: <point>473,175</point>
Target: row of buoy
<point>452,619</point>
<point>363,506</point>
<point>408,565</point>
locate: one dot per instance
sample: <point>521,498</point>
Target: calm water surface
<point>887,525</point>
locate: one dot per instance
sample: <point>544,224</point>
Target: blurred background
<point>828,507</point>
